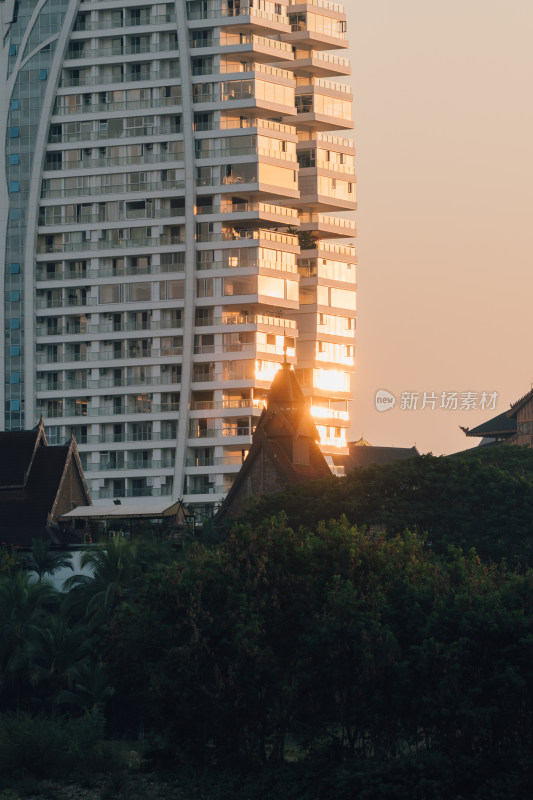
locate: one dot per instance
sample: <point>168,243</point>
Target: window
<point>14,213</point>
<point>14,186</point>
<point>15,104</point>
<point>14,296</point>
<point>14,377</point>
<point>14,132</point>
<point>43,74</point>
<point>14,350</point>
<point>14,268</point>
<point>14,405</point>
<point>12,49</point>
<point>14,159</point>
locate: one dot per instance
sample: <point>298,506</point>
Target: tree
<point>43,561</point>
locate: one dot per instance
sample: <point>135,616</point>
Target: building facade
<point>170,193</point>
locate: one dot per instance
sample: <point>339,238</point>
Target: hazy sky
<point>444,133</point>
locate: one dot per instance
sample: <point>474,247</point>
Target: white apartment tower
<point>168,198</point>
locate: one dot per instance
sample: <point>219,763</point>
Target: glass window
<point>12,49</point>
<point>43,74</point>
<point>14,377</point>
<point>14,213</point>
<point>14,186</point>
<point>14,158</point>
<point>15,104</point>
<point>14,405</point>
<point>14,132</point>
<point>14,350</point>
<point>14,296</point>
<point>14,268</point>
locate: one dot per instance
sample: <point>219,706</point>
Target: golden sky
<point>444,132</point>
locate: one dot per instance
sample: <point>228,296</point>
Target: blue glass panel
<point>14,268</point>
<point>14,296</point>
<point>14,158</point>
<point>14,324</point>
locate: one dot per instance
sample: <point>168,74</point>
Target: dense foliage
<point>482,498</point>
<point>324,659</point>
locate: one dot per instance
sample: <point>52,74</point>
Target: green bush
<point>44,747</point>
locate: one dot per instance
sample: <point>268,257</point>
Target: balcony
<point>107,244</point>
<point>121,188</point>
<point>320,64</point>
<point>322,225</point>
<point>130,49</point>
<point>69,81</point>
<point>119,21</point>
<point>244,15</point>
<point>94,164</point>
<point>124,105</point>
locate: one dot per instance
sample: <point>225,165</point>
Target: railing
<point>109,24</point>
<point>329,58</point>
<point>266,124</point>
<point>327,4</point>
<point>145,491</point>
<point>67,302</point>
<point>118,438</point>
<point>122,105</point>
<point>206,490</point>
<point>252,319</point>
<point>68,82</point>
<point>236,11</point>
<point>88,191</point>
<point>323,83</point>
<point>242,208</point>
<point>252,66</point>
<point>214,461</point>
<point>112,355</point>
<point>106,383</point>
<point>323,219</point>
<point>104,244</point>
<point>231,39</point>
<point>113,465</point>
<point>133,214</point>
<point>93,163</point>
<point>90,136</point>
<point>338,249</point>
<point>111,272</point>
<point>338,140</point>
<point>128,50</point>
<point>209,405</point>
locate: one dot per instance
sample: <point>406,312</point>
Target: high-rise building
<point>166,195</point>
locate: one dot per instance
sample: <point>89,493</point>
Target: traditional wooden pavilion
<point>284,449</point>
<point>38,483</point>
<point>514,426</point>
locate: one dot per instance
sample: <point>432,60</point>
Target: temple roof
<point>27,508</point>
<point>286,438</point>
<point>363,454</point>
<point>501,425</point>
<point>17,449</point>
